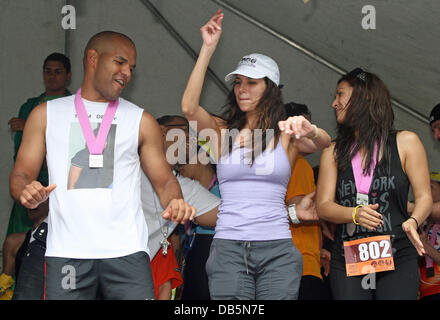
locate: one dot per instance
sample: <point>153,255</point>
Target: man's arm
<point>306,211</point>
<point>300,184</point>
<point>430,250</point>
<point>435,212</point>
<point>158,171</point>
<point>74,174</point>
<point>165,291</point>
<point>22,184</point>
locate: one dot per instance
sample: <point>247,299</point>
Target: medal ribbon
<point>363,182</point>
<point>95,145</point>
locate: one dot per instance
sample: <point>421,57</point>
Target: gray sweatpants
<point>122,278</point>
<point>254,270</point>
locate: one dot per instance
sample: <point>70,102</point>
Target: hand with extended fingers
<point>299,127</point>
<point>410,227</point>
<point>35,193</point>
<point>306,209</point>
<point>179,211</point>
<point>367,217</point>
<point>212,30</point>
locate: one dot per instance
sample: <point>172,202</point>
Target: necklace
<point>164,243</point>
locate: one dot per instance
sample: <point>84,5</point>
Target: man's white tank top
<point>94,213</point>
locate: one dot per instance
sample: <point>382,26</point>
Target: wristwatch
<point>292,214</point>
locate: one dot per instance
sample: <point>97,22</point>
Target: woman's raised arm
<point>211,33</point>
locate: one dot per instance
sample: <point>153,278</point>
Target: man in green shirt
<point>56,74</point>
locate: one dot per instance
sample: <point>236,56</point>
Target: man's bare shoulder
<point>148,122</point>
<point>146,116</point>
<point>38,114</point>
<point>149,128</point>
<point>41,108</point>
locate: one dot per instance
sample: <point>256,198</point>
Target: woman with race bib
<point>363,186</point>
<point>252,255</point>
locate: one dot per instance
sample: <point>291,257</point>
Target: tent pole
<point>310,54</point>
<point>183,43</point>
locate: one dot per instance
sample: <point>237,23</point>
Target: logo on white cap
<point>248,61</point>
<point>257,66</point>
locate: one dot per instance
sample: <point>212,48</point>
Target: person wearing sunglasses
<point>363,185</point>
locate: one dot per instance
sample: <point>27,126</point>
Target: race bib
<point>368,255</point>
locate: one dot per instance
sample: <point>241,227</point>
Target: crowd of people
<point>120,208</point>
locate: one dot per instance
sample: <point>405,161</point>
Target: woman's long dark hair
<point>271,110</point>
<point>369,115</point>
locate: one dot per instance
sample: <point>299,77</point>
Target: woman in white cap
<point>252,255</point>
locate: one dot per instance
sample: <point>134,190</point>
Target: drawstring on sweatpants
<point>246,252</point>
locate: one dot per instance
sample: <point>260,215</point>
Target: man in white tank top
<point>98,235</point>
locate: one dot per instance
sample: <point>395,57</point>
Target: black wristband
<point>415,221</point>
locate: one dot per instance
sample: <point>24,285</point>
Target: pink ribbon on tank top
<point>95,145</point>
<point>363,182</point>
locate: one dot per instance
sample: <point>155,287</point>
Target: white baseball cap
<point>257,66</point>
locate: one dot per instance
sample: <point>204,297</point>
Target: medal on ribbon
<point>95,144</point>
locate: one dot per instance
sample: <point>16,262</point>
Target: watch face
<point>292,214</point>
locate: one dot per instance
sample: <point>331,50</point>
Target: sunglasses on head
<point>358,73</point>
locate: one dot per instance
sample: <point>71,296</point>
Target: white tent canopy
<point>313,42</point>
